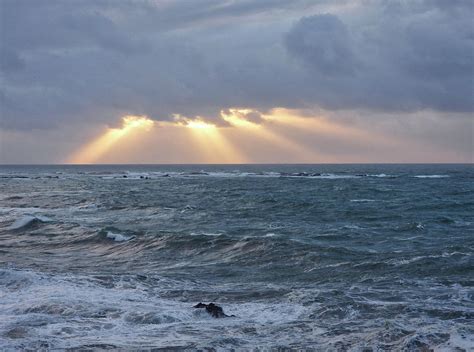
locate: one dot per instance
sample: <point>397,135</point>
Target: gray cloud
<point>96,60</point>
<point>323,43</point>
<point>403,58</point>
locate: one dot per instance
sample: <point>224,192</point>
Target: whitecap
<point>27,220</point>
<point>43,218</point>
<point>270,234</point>
<point>213,234</point>
<point>118,237</point>
<point>431,176</point>
<point>363,200</point>
<point>335,177</point>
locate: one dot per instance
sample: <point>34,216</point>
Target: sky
<point>249,81</point>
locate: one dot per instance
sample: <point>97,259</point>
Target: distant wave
<point>147,175</point>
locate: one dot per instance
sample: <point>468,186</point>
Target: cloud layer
<point>92,61</point>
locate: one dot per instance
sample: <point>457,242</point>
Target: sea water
<point>314,257</point>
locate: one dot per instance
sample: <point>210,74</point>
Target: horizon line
<point>236,164</point>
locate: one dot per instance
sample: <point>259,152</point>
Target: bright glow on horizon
<point>238,136</point>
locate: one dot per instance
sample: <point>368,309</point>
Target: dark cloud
<point>407,56</point>
<point>96,60</point>
<point>323,43</point>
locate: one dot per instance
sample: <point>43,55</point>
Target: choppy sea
<point>307,257</point>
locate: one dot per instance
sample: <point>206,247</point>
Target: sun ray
<point>235,118</point>
<point>215,147</point>
<point>96,149</point>
<point>322,125</point>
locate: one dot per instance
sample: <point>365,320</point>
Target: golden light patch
<point>199,125</point>
<point>141,122</point>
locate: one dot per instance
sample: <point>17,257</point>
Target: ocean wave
<point>12,197</point>
<point>234,174</point>
<point>22,210</point>
<point>118,237</point>
<point>369,262</point>
<point>28,221</point>
<point>400,262</point>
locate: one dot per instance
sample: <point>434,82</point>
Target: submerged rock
<point>214,310</point>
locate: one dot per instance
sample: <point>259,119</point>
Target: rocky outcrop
<point>213,310</point>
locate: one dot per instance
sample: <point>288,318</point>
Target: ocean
<point>307,257</point>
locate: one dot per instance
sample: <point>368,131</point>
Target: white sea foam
<point>456,342</point>
<point>398,262</point>
<point>334,176</point>
<point>118,237</point>
<point>363,200</point>
<point>270,234</point>
<point>212,234</point>
<point>82,312</point>
<point>431,176</point>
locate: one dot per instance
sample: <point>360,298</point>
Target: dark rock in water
<point>316,174</point>
<point>214,310</point>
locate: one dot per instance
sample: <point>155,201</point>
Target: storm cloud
<point>67,62</point>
